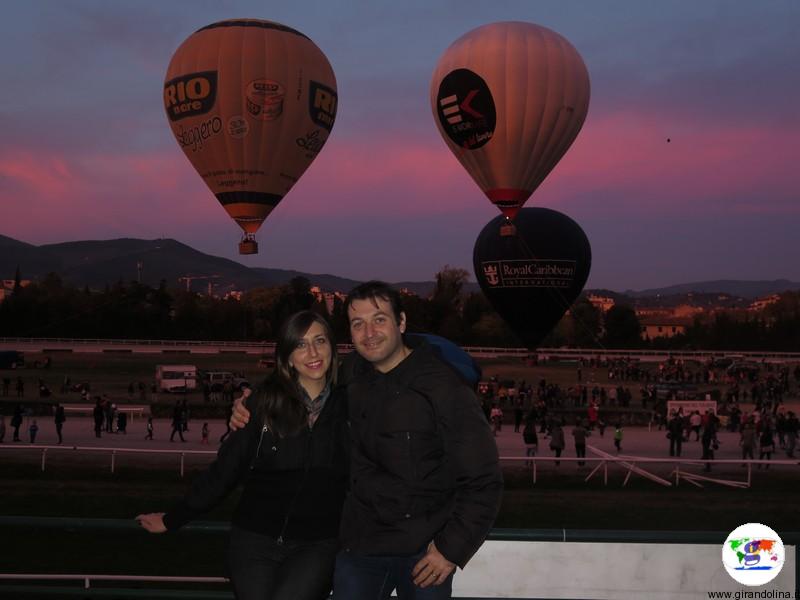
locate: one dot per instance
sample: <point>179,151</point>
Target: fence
<point>530,564</point>
<point>631,464</point>
<point>203,346</point>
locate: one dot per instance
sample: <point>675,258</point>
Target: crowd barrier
<point>513,564</point>
<point>602,460</point>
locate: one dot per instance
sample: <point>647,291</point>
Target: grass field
<point>111,373</point>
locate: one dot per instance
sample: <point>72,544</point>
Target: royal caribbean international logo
<point>753,554</point>
<point>529,273</point>
<point>490,273</point>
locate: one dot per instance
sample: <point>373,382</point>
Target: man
<point>675,434</point>
<point>425,482</point>
<point>59,419</point>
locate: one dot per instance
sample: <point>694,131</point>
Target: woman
<point>292,458</point>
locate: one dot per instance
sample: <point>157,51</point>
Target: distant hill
<point>99,263</point>
<point>328,283</point>
<point>731,287</point>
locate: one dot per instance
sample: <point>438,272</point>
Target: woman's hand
<point>152,522</point>
<point>240,416</point>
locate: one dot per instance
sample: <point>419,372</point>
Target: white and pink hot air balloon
<point>509,99</point>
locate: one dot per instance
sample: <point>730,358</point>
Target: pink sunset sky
<point>86,153</point>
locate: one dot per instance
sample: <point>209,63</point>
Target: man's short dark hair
<point>372,290</point>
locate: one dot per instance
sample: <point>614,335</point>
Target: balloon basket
<point>248,246</point>
<point>508,229</point>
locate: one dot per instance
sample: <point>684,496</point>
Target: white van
<point>176,378</point>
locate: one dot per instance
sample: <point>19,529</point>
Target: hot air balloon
<point>509,99</point>
<point>532,276</point>
<point>251,103</point>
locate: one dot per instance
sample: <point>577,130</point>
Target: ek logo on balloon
<point>466,109</point>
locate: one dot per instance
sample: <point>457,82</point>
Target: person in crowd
<point>675,434</point>
<point>695,421</point>
<point>529,436</point>
<point>518,413</point>
<point>59,419</point>
<point>177,422</point>
<point>16,422</point>
<point>33,430</point>
<point>99,416</point>
<point>766,444</point>
<point>497,419</point>
<point>122,422</point>
<point>292,457</point>
<point>747,439</point>
<point>557,442</point>
<point>579,432</point>
<point>792,427</point>
<point>618,435</point>
<point>709,440</point>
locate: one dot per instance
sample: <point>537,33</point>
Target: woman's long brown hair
<point>281,405</point>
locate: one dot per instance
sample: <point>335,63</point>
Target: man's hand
<point>152,522</point>
<point>241,415</point>
<point>432,569</point>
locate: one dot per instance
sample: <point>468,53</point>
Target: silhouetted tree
<point>623,329</point>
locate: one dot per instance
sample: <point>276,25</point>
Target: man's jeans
<point>359,577</point>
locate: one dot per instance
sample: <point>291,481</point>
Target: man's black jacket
<point>424,464</point>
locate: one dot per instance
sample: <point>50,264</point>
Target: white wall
<point>617,571</point>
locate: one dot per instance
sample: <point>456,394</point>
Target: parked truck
<point>176,378</point>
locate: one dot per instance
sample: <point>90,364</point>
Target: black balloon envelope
<point>532,274</point>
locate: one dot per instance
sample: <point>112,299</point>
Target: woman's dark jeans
<point>262,569</point>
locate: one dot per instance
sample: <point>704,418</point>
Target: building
<point>761,303</point>
<point>659,327</point>
<point>602,303</point>
<point>7,287</point>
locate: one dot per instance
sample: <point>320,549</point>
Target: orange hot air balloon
<point>509,99</point>
<point>251,104</point>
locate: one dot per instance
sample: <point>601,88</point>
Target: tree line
<point>131,310</point>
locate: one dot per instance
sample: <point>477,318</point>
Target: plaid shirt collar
<point>315,405</point>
